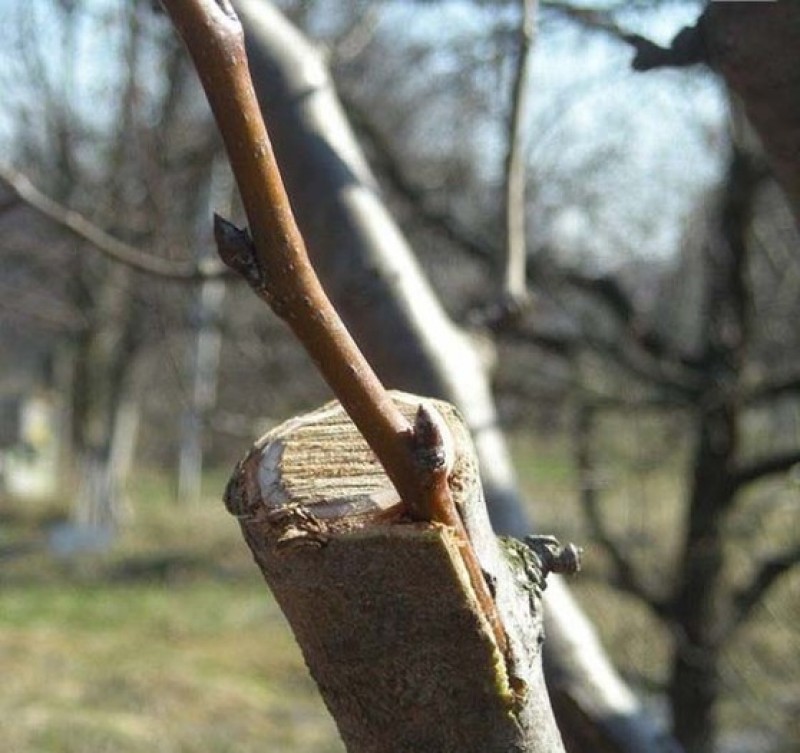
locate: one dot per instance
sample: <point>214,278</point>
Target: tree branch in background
<point>605,288</point>
<point>761,469</point>
<point>387,165</point>
<point>626,578</point>
<point>106,244</point>
<point>276,264</point>
<point>770,389</point>
<point>735,39</point>
<point>352,41</point>
<point>563,347</point>
<point>765,577</point>
<point>687,48</point>
<point>650,358</point>
<point>515,288</point>
<point>755,47</point>
<point>8,204</point>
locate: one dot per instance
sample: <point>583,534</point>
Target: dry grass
<point>172,643</point>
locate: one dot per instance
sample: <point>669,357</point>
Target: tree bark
<point>697,607</point>
<point>370,273</point>
<point>382,606</point>
<point>756,48</point>
<point>694,687</point>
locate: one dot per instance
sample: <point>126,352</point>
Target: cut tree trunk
<point>383,607</point>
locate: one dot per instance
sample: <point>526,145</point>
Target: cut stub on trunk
<point>382,606</point>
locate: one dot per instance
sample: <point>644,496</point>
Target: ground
<point>173,643</point>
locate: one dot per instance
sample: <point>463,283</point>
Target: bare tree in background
<point>703,604</point>
<point>136,166</point>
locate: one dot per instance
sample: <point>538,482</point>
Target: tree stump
<point>382,606</point>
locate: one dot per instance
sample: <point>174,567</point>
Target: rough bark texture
<point>381,606</point>
<point>370,273</point>
<point>756,48</point>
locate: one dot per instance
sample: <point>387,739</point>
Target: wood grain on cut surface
<point>326,461</point>
<point>321,463</point>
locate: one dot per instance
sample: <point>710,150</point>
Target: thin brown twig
<point>105,243</point>
<point>626,575</point>
<point>306,309</point>
<point>283,273</point>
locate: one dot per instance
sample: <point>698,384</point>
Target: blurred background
<point>645,372</point>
